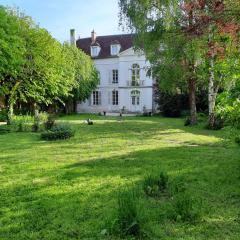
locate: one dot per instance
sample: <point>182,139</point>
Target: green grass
<point>68,189</point>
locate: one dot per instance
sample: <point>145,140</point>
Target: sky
<point>59,16</point>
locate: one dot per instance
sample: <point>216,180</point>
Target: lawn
<point>68,189</point>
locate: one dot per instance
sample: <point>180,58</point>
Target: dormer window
<point>95,51</point>
<point>115,48</point>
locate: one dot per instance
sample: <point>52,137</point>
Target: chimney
<point>72,37</point>
<point>94,36</point>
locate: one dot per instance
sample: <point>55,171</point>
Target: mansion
<point>124,83</point>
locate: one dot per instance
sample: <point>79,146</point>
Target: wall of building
<point>123,63</point>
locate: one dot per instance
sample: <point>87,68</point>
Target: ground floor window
<point>96,98</point>
<point>114,97</point>
<point>135,97</point>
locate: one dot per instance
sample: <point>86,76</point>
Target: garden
<point>139,177</point>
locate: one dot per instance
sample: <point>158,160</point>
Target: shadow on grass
<point>74,202</point>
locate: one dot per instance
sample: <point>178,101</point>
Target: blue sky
<point>59,16</point>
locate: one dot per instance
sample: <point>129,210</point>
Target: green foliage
<point>36,68</point>
<point>128,217</point>
<point>58,132</point>
<point>217,125</point>
<point>39,120</point>
<point>50,123</point>
<point>86,76</point>
<point>185,208</point>
<point>155,186</point>
<point>170,104</point>
<point>228,107</point>
<point>22,123</point>
<point>4,129</point>
<point>237,140</point>
<point>3,115</point>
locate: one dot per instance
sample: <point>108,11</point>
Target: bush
<point>218,124</point>
<point>128,212</point>
<point>3,115</point>
<point>58,132</point>
<point>22,123</point>
<point>237,140</point>
<point>185,208</point>
<point>39,121</point>
<point>155,185</point>
<point>228,108</point>
<point>50,123</point>
<point>187,121</point>
<point>170,105</point>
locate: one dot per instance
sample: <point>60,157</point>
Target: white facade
<point>124,85</point>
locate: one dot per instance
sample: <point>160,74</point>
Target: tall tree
<point>12,50</point>
<point>163,31</point>
<point>36,68</point>
<point>85,75</point>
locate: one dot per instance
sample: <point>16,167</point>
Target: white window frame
<point>114,49</point>
<point>94,51</point>
<point>115,97</point>
<point>96,98</point>
<point>135,97</point>
<point>135,80</point>
<point>115,76</point>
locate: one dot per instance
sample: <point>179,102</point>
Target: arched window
<point>135,96</point>
<point>135,74</point>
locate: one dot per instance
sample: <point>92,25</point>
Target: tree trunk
<point>212,94</point>
<point>192,100</point>
<point>9,107</point>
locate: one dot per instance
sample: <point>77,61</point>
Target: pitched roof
<point>125,40</point>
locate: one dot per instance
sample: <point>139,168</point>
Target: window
<point>135,96</point>
<point>115,49</point>
<point>96,98</point>
<point>114,97</point>
<point>115,76</point>
<point>135,75</point>
<point>95,51</point>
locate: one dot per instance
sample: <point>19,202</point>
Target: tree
<point>163,31</point>
<point>36,68</point>
<point>85,74</point>
<point>204,24</point>
<point>12,51</point>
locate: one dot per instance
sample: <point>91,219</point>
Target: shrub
<point>185,208</point>
<point>3,115</point>
<point>50,123</point>
<point>22,123</point>
<point>58,132</point>
<point>39,121</point>
<point>218,124</point>
<point>187,121</point>
<point>155,185</point>
<point>170,104</point>
<point>128,212</point>
<point>237,140</point>
<point>228,107</point>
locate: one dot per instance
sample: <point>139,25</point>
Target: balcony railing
<point>135,83</point>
